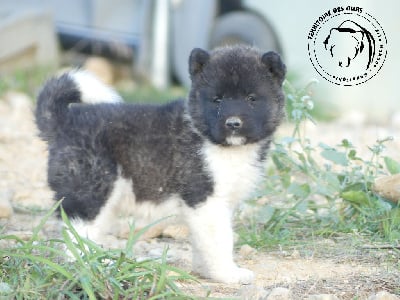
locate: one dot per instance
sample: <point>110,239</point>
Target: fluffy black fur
<point>158,147</point>
<point>236,82</point>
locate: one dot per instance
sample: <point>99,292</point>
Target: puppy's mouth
<point>235,140</point>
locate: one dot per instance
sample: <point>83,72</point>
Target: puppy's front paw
<point>235,275</point>
<point>243,276</point>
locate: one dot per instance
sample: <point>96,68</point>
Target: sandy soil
<point>328,267</point>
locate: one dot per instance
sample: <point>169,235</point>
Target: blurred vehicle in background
<point>157,35</point>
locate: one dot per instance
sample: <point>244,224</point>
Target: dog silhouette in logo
<point>349,40</point>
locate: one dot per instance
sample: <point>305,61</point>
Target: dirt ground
<point>327,269</point>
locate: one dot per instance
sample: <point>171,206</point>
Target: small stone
<point>152,232</point>
<point>388,187</point>
<point>323,297</point>
<point>100,67</point>
<point>178,232</point>
<point>6,209</point>
<point>280,293</point>
<point>247,250</point>
<point>383,295</point>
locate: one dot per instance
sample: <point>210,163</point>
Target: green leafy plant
<point>320,189</point>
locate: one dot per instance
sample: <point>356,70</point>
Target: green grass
<point>42,269</point>
<point>28,80</point>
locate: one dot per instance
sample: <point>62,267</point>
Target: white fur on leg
<point>212,239</point>
<point>105,227</point>
<point>92,89</point>
<point>120,210</point>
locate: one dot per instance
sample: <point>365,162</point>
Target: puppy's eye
<point>217,98</point>
<point>251,98</point>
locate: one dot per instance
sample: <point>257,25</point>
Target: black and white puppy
<point>196,159</point>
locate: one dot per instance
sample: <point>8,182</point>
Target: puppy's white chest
<point>236,170</point>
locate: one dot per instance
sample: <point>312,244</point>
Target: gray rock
<point>247,250</point>
<point>388,187</point>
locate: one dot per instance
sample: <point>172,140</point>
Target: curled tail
<point>59,92</point>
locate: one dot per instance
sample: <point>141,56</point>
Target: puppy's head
<point>236,96</point>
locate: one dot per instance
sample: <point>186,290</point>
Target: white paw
<point>235,275</point>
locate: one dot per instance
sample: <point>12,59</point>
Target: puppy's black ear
<point>275,65</point>
<point>198,58</point>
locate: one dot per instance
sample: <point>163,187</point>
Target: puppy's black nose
<point>233,123</point>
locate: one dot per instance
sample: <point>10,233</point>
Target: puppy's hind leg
<point>212,240</point>
<point>107,224</point>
